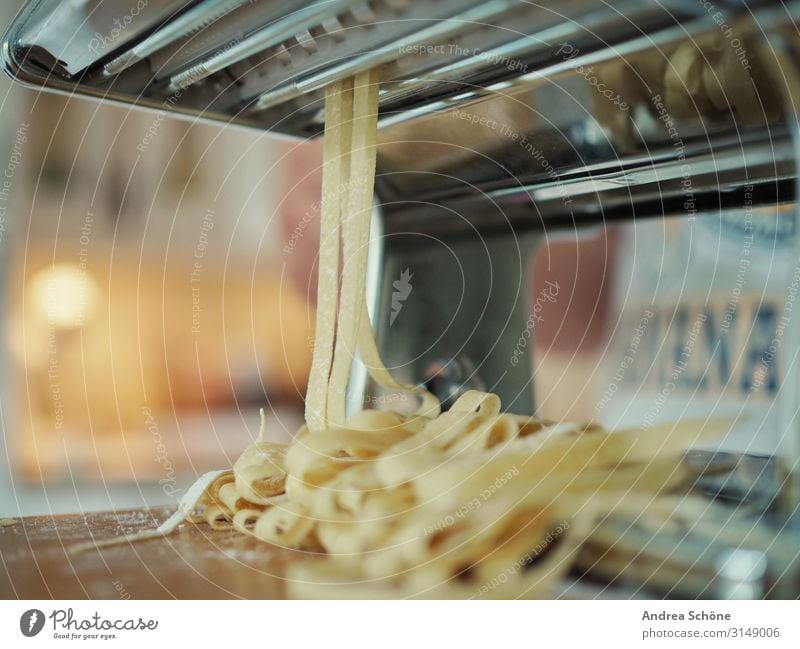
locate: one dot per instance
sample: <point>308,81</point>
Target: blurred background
<point>157,290</point>
<point>147,311</point>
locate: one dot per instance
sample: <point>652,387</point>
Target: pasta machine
<point>502,123</point>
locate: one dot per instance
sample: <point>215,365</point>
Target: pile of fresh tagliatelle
<point>428,504</point>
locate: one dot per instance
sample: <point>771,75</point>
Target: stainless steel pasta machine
<point>501,123</point>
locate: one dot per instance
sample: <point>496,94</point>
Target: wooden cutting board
<point>193,563</point>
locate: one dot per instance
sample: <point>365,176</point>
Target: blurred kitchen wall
<point>149,306</point>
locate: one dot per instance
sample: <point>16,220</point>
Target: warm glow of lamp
<point>64,294</point>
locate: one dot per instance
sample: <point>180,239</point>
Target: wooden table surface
<point>193,563</point>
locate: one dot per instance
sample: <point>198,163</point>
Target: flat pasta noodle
<point>335,176</point>
<point>429,503</point>
<point>355,237</point>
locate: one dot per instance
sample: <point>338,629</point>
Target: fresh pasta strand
<point>338,111</point>
<point>195,495</point>
<point>355,237</point>
<point>429,405</point>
